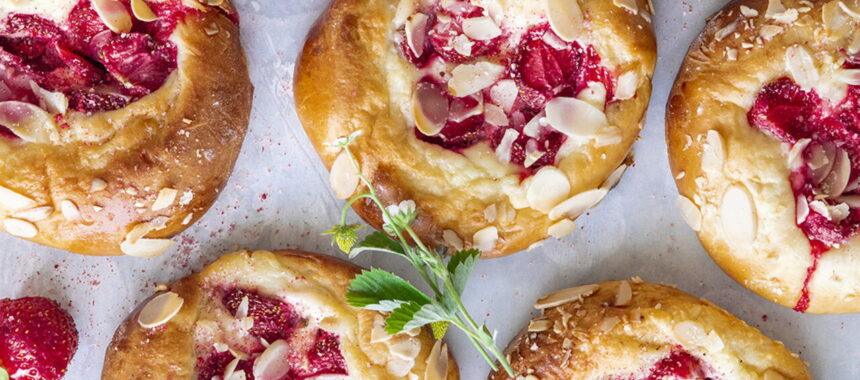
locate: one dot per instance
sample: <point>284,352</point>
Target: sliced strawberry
<point>273,319</point>
<point>785,110</point>
<point>215,364</point>
<point>138,61</point>
<point>84,24</point>
<point>37,338</point>
<point>678,365</point>
<point>324,358</point>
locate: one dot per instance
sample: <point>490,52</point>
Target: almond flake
<point>404,9</point>
<point>404,347</point>
<point>271,364</point>
<point>614,177</point>
<point>70,210</point>
<point>485,239</point>
<point>114,14</point>
<point>505,148</point>
<point>20,228</point>
<point>187,219</point>
<point>343,178</point>
<point>738,215</point>
<point>452,239</point>
<point>532,157</point>
<point>837,180</point>
<point>849,11</point>
<point>574,117</point>
<point>768,32</point>
<point>242,309</point>
<point>801,66</point>
<point>538,325</point>
<point>430,108</point>
<point>548,187</point>
<point>574,206</point>
<point>142,11</point>
<point>97,185</point>
<point>726,30</point>
<point>490,213</point>
<point>628,83</point>
<point>748,12</point>
<point>565,18</point>
<point>467,79</point>
<point>505,93</point>
<point>565,296</point>
<point>165,199</point>
<point>34,214</point>
<point>437,362</point>
<point>713,155</point>
<point>12,201</point>
<point>595,94</point>
<point>690,213</point>
<point>802,209</point>
<point>400,367</point>
<point>624,295</point>
<point>146,248</point>
<point>689,334</point>
<point>54,102</point>
<point>607,324</point>
<point>795,155</point>
<point>495,115</point>
<point>481,28</point>
<point>629,5</point>
<point>160,310</point>
<point>416,32</point>
<point>377,332</point>
<point>561,228</point>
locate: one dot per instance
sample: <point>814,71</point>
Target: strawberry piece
<point>5,132</point>
<point>324,358</point>
<point>216,363</point>
<point>273,319</point>
<point>678,365</point>
<point>138,61</point>
<point>37,338</point>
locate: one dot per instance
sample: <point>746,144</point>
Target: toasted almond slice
<point>242,309</point>
<point>404,347</point>
<point>461,110</point>
<point>748,12</point>
<point>801,66</point>
<point>467,79</point>
<point>614,178</point>
<point>849,11</point>
<point>608,323</point>
<point>29,122</point>
<point>491,212</point>
<point>624,295</point>
<point>271,364</point>
<point>12,201</point>
<point>34,214</point>
<point>377,332</point>
<point>575,117</point>
<point>142,11</point>
<point>97,185</point>
<point>689,334</point>
<point>165,199</point>
<point>404,9</point>
<point>452,239</point>
<point>505,148</point>
<point>565,295</point>
<point>574,206</point>
<point>532,157</point>
<point>485,239</point>
<point>430,108</point>
<point>835,21</point>
<point>548,187</point>
<point>630,5</point>
<point>416,32</point>
<point>837,180</point>
<point>139,231</point>
<point>437,362</point>
<point>399,367</point>
<point>54,102</point>
<point>343,178</point>
<point>481,28</point>
<point>774,7</point>
<point>713,155</point>
<point>565,18</point>
<point>505,93</point>
<point>160,310</point>
<point>230,372</point>
<point>628,83</point>
<point>561,228</point>
<point>538,325</point>
<point>20,228</point>
<point>595,94</point>
<point>822,158</point>
<point>70,210</point>
<point>802,209</point>
<point>795,155</point>
<point>146,248</point>
<point>495,115</point>
<point>690,213</point>
<point>738,215</point>
<point>114,14</point>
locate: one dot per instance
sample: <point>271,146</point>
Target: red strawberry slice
<point>678,365</point>
<point>37,338</point>
<point>138,61</point>
<point>273,319</point>
<point>323,359</point>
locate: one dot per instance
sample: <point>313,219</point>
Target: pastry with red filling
<point>632,330</point>
<point>120,120</point>
<point>268,316</point>
<point>503,120</point>
<point>763,127</point>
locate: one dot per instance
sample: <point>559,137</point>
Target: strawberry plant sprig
<point>409,307</point>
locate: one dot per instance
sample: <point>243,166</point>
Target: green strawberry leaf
<point>379,290</point>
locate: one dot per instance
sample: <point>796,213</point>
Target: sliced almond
<point>574,206</point>
<point>34,214</point>
<point>242,309</point>
<point>20,228</point>
<point>689,334</point>
<point>565,295</point>
<point>437,362</point>
<point>561,228</point>
<point>485,239</point>
<point>491,212</point>
<point>629,5</point>
<point>97,185</point>
<point>271,364</point>
<point>628,83</point>
<point>595,94</point>
<point>801,66</point>
<point>230,372</point>
<point>142,11</point>
<point>802,209</point>
<point>575,117</point>
<point>377,332</point>
<point>165,199</point>
<point>822,157</point>
<point>70,210</point>
<point>614,177</point>
<point>146,248</point>
<point>404,9</point>
<point>548,187</point>
<point>624,295</point>
<point>505,148</point>
<point>12,201</point>
<point>29,122</point>
<point>538,325</point>
<point>404,347</point>
<point>738,215</point>
<point>748,12</point>
<point>54,102</point>
<point>837,180</point>
<point>854,14</point>
<point>160,310</point>
<point>430,108</point>
<point>114,14</point>
<point>416,32</point>
<point>505,93</point>
<point>690,213</point>
<point>400,367</point>
<point>495,115</point>
<point>467,79</point>
<point>481,28</point>
<point>795,155</point>
<point>343,178</point>
<point>713,155</point>
<point>835,20</point>
<point>452,239</point>
<point>565,18</point>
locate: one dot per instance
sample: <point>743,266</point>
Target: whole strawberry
<point>37,339</point>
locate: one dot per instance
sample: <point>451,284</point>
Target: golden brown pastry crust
<point>592,338</point>
<point>185,136</point>
<point>167,351</point>
<point>350,78</point>
<point>714,93</point>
